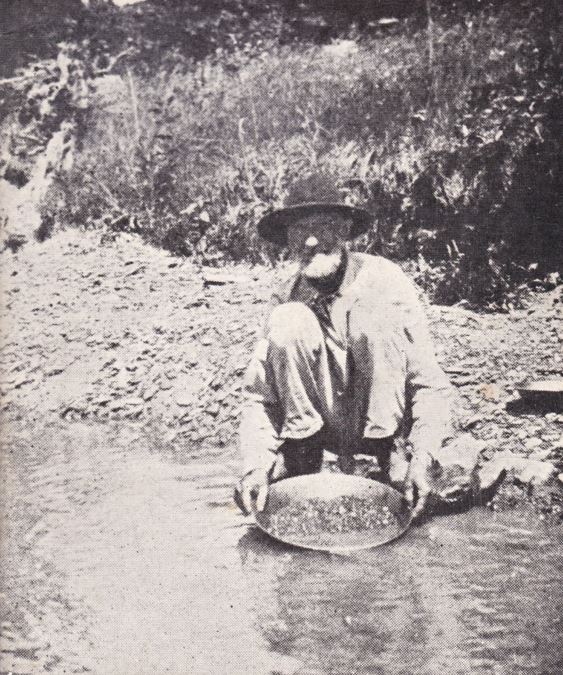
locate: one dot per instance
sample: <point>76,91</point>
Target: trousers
<point>353,386</point>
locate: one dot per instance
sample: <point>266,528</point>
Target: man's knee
<point>293,323</point>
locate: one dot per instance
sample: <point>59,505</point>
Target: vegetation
<point>445,124</point>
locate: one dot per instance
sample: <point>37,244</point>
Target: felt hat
<point>318,193</point>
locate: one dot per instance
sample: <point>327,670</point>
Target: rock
<point>466,380</point>
<point>277,631</point>
<point>528,471</point>
<point>196,302</point>
<point>212,277</point>
<point>216,382</point>
<point>461,453</point>
<point>121,380</point>
<point>552,438</point>
<point>135,270</point>
<point>101,400</point>
<point>149,393</point>
<point>532,443</point>
<point>184,401</point>
<point>540,455</point>
<point>491,472</point>
<point>490,392</point>
<point>22,380</point>
<point>560,477</point>
<point>213,409</point>
<point>22,648</point>
<point>133,401</point>
<point>535,472</point>
<point>472,422</point>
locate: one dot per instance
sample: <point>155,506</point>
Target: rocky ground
<point>125,331</point>
<point>118,335</point>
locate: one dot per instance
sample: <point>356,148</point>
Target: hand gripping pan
<point>334,512</point>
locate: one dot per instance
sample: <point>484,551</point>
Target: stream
<point>127,556</point>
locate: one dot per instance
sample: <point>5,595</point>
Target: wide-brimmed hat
<point>318,193</point>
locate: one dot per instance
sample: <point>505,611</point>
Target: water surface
<point>128,554</point>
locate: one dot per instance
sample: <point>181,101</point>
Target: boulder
<point>524,470</point>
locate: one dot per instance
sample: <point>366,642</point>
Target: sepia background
<point>140,142</point>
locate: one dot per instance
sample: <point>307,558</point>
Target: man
<point>346,363</point>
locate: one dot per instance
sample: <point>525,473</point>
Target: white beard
<point>322,265</point>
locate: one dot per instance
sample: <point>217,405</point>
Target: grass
<point>440,132</point>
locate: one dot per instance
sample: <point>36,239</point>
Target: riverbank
<point>124,331</point>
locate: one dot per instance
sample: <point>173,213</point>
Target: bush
<point>448,135</point>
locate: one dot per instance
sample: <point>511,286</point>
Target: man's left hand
<point>418,485</point>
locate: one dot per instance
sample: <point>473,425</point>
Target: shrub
<point>448,135</point>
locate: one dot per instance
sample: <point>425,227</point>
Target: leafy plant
<point>447,131</point>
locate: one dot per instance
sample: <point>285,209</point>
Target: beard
<point>321,265</point>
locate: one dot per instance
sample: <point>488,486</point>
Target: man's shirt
<point>380,289</point>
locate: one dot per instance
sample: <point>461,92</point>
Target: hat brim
<point>273,226</point>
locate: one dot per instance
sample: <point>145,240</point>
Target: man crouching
<point>346,363</point>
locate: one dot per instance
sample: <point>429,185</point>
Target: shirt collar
<point>353,265</point>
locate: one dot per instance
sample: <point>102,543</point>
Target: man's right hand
<point>252,491</point>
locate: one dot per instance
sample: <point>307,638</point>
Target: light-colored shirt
<point>387,295</point>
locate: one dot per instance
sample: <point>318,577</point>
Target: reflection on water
<point>475,592</point>
<point>141,563</point>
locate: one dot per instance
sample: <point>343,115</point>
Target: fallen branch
<point>112,62</point>
<point>19,78</point>
<point>134,103</point>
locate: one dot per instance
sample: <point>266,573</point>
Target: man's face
<point>317,243</point>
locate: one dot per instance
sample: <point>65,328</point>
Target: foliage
<point>445,126</point>
<point>31,30</point>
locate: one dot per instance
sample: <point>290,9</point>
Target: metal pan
<point>545,393</point>
<point>334,512</point>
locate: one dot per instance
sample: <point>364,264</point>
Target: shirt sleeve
<point>429,391</point>
<point>258,437</point>
<point>258,431</point>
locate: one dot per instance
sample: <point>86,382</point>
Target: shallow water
<point>477,592</point>
<point>128,556</point>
